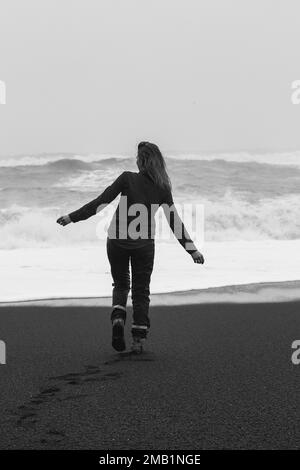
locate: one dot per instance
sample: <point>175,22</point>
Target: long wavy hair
<point>151,162</point>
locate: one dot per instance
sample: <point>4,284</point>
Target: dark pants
<point>141,260</point>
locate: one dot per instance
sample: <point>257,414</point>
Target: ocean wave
<point>23,227</point>
<point>88,181</point>
<point>279,158</point>
<point>237,219</point>
<point>68,164</point>
<point>40,160</point>
<point>227,219</point>
<point>283,158</point>
<point>199,178</point>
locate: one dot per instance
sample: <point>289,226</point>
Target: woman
<point>131,238</point>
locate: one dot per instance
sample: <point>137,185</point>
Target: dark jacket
<point>136,188</point>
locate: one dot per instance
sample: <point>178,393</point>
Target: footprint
<point>130,356</point>
<point>54,432</point>
<point>75,378</point>
<point>92,372</point>
<point>50,391</point>
<point>91,367</point>
<point>113,375</point>
<point>26,419</point>
<point>28,415</point>
<point>74,397</point>
<point>69,376</point>
<point>48,441</point>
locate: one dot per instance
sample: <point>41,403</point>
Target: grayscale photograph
<point>149,231</point>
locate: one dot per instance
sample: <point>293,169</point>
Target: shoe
<point>118,340</point>
<point>137,346</point>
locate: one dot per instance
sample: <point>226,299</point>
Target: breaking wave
<point>230,218</point>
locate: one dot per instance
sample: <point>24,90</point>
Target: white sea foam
<point>229,218</point>
<point>68,272</point>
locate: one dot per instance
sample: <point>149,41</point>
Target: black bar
<point>137,458</point>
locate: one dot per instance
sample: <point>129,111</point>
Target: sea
<point>250,232</point>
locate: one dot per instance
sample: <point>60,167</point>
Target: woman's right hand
<point>64,220</point>
<point>197,257</point>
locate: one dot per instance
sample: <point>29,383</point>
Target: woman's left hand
<point>198,257</point>
<point>64,220</point>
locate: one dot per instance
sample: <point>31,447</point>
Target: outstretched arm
<point>179,230</point>
<point>89,209</point>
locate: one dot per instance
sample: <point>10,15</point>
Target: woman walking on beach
<point>131,238</point>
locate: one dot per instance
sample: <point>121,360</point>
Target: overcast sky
<point>191,75</point>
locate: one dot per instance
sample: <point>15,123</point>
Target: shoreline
<point>281,291</point>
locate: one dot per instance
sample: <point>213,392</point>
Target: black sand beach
<point>215,376</point>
